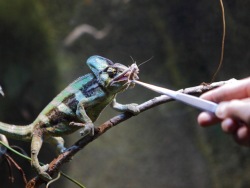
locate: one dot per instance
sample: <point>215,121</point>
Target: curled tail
<point>16,132</point>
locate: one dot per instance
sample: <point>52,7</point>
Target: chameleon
<point>76,107</point>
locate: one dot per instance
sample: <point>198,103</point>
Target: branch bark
<point>58,162</point>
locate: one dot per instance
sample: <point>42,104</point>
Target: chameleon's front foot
<point>133,108</point>
<point>88,128</point>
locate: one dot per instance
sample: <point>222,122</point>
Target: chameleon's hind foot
<point>43,174</point>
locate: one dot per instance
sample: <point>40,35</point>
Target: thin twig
<point>9,165</point>
<point>18,168</point>
<point>222,41</point>
<point>57,163</point>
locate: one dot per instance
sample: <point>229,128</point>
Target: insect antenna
<point>132,59</point>
<point>146,61</point>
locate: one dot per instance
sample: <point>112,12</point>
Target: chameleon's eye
<point>111,72</point>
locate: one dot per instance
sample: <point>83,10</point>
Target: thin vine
<point>222,42</point>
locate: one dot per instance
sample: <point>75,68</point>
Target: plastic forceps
<point>196,102</point>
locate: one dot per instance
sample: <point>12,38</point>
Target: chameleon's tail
<point>16,132</point>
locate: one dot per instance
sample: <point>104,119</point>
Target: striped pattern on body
<point>63,107</point>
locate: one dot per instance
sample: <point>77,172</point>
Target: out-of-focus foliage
<point>27,57</point>
<point>163,147</point>
<point>27,67</point>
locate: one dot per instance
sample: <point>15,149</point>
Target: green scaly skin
<point>76,107</point>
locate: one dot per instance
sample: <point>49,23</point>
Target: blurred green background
<point>41,53</point>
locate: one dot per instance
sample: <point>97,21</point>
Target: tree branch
<point>57,163</point>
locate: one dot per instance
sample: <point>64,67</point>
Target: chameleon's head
<point>115,77</point>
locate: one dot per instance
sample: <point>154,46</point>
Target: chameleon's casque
<point>76,107</point>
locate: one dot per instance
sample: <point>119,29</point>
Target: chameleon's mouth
<point>129,74</point>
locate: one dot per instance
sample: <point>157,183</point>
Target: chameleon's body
<point>77,106</point>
